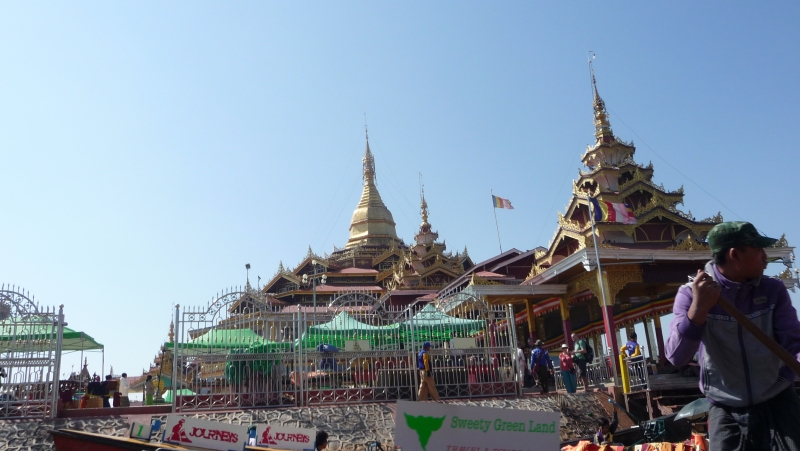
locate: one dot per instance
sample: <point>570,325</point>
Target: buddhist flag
<point>611,212</point>
<point>499,202</point>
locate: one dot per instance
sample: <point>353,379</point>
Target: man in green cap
<point>753,402</point>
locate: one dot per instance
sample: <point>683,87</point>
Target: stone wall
<point>350,426</point>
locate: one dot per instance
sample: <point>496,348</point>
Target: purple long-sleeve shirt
<point>736,369</point>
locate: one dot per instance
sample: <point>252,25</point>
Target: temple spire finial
<point>368,162</point>
<point>423,206</point>
<point>602,127</point>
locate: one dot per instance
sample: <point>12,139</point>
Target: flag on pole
<point>499,202</point>
<point>611,212</point>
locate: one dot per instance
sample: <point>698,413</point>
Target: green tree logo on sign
<point>424,427</point>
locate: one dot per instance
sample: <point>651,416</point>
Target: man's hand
<point>705,292</point>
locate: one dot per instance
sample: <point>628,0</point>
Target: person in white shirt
<point>521,365</point>
<point>124,387</point>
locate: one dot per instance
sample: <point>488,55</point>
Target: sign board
<point>284,437</point>
<point>194,433</point>
<point>141,431</point>
<point>422,426</point>
<point>463,343</point>
<point>356,345</point>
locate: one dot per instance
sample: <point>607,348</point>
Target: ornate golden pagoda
<point>426,265</point>
<point>372,222</point>
<point>374,259</point>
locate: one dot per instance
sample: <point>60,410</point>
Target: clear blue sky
<point>150,149</point>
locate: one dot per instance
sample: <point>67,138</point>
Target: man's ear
<point>733,254</point>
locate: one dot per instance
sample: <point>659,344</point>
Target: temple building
<point>645,254</point>
<point>374,260</point>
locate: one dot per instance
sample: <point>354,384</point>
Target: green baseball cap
<point>736,233</point>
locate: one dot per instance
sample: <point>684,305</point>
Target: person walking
<point>568,370</point>
<point>124,388</point>
<point>426,383</point>
<point>579,356</point>
<point>754,405</point>
<point>521,365</point>
<point>149,390</point>
<point>542,366</point>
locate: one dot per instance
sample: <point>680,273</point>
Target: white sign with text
<point>284,437</point>
<point>424,426</point>
<point>192,432</point>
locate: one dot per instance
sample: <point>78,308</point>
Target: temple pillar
<point>662,358</point>
<point>531,320</point>
<point>566,324</point>
<point>608,320</point>
<point>648,339</point>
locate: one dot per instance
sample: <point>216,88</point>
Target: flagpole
<point>494,209</point>
<point>602,284</point>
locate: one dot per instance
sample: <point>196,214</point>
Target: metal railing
<point>600,373</point>
<point>347,355</point>
<point>637,373</point>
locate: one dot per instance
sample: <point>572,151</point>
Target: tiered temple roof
<point>614,176</point>
<point>374,259</point>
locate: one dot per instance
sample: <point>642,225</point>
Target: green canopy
<point>181,392</point>
<point>344,327</point>
<point>343,323</point>
<point>38,334</point>
<point>431,324</point>
<point>223,340</point>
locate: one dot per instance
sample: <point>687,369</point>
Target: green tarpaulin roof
<point>181,392</point>
<point>431,317</point>
<point>223,339</point>
<point>344,322</point>
<point>37,335</point>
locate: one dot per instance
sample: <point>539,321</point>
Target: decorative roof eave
<point>463,279</point>
<point>307,260</point>
<point>288,276</point>
<point>437,268</point>
<point>628,163</point>
<point>594,148</point>
<point>670,198</point>
<point>528,291</point>
<point>586,257</point>
<point>629,188</point>
<point>394,250</point>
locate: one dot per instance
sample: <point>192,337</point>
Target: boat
<point>72,440</point>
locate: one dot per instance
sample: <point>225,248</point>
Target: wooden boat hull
<point>72,440</point>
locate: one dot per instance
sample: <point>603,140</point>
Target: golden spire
<point>424,236</point>
<point>602,127</point>
<point>423,205</point>
<point>171,333</point>
<point>369,163</point>
<point>372,222</point>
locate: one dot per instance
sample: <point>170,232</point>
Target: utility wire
<point>344,204</point>
<point>670,165</point>
<point>556,196</point>
<point>332,199</point>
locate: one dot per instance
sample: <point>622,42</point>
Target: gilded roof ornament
<point>602,127</point>
<point>372,222</point>
<point>368,163</point>
<point>782,242</point>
